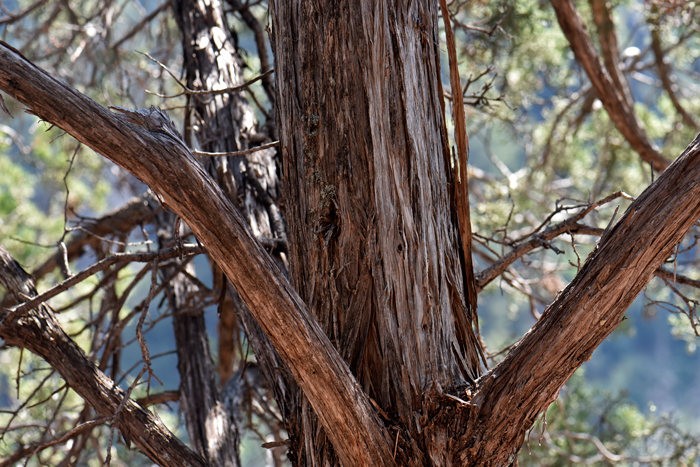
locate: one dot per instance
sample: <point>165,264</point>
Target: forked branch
<point>583,314</point>
<point>618,109</point>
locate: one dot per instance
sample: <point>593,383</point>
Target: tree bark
<point>226,123</point>
<point>211,422</point>
<point>373,247</point>
<point>514,393</point>
<point>480,425</point>
<point>146,144</point>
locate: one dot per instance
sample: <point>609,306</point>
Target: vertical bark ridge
<point>373,246</point>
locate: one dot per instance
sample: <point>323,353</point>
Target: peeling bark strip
<point>619,111</point>
<point>179,180</point>
<point>461,180</point>
<point>40,332</point>
<point>514,393</point>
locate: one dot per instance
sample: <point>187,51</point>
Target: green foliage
<point>600,429</point>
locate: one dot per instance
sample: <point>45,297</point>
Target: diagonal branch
<point>665,72</point>
<point>608,44</point>
<point>585,313</point>
<point>42,334</point>
<point>619,111</point>
<point>163,162</point>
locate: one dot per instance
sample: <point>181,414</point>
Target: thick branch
<point>162,161</point>
<point>620,112</point>
<point>584,314</point>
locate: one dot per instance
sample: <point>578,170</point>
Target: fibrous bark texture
<point>146,144</point>
<point>225,123</point>
<point>373,247</point>
<point>511,396</point>
<point>487,423</point>
<point>211,422</point>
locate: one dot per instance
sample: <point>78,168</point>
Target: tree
<point>373,353</point>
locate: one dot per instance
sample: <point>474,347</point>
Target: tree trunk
<point>429,415</point>
<point>373,247</point>
<point>210,420</point>
<point>225,123</point>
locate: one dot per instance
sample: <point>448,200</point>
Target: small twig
<point>457,399</point>
<point>139,26</point>
<point>4,107</point>
<point>160,398</point>
<point>139,327</point>
<point>177,80</point>
<point>207,92</point>
<point>101,265</point>
<point>103,239</point>
<point>63,263</point>
<point>573,245</point>
<point>238,153</point>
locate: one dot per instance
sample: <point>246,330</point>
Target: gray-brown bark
<point>226,123</point>
<point>489,429</point>
<point>145,144</point>
<point>620,112</point>
<point>513,394</point>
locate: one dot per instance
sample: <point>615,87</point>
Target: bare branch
<point>43,335</point>
<point>620,112</point>
<point>608,43</point>
<point>101,266</point>
<point>587,311</point>
<point>664,74</point>
<point>537,240</point>
<point>262,147</point>
<point>12,18</point>
<point>141,24</point>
